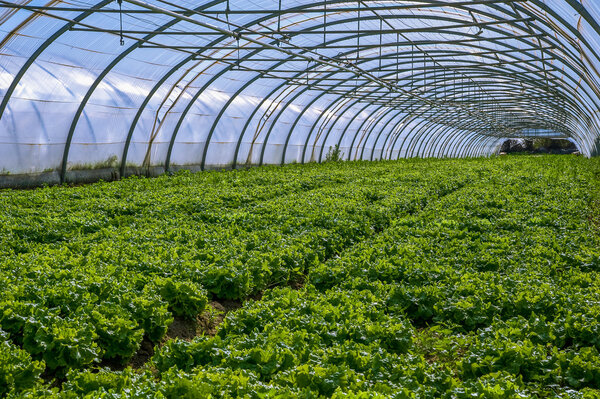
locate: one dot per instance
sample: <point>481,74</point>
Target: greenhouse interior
<point>300,199</point>
<point>144,87</point>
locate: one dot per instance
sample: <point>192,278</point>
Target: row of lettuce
<point>447,278</point>
<point>94,270</point>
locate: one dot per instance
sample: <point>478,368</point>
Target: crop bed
<point>414,278</point>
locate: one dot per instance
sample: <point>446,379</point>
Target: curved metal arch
<point>376,123</point>
<point>498,146</point>
<point>580,117</point>
<point>430,129</point>
<point>222,112</point>
<point>268,134</point>
<point>167,162</point>
<point>510,37</point>
<point>360,128</point>
<point>262,152</point>
<point>449,128</point>
<point>483,139</point>
<point>140,111</point>
<point>420,121</point>
<point>533,83</point>
<point>191,103</point>
<point>412,116</point>
<point>467,147</point>
<point>365,141</point>
<point>383,129</point>
<point>507,11</point>
<point>394,132</point>
<point>248,120</point>
<point>208,141</point>
<point>476,126</point>
<point>400,123</point>
<point>343,133</point>
<point>454,144</point>
<point>408,136</point>
<point>363,133</point>
<point>149,96</point>
<point>257,77</point>
<point>441,146</point>
<point>581,10</point>
<point>408,118</point>
<point>343,102</point>
<point>308,136</point>
<point>566,62</point>
<point>350,122</point>
<point>369,131</point>
<point>423,127</point>
<point>183,115</point>
<point>243,132</point>
<point>101,77</point>
<point>25,67</point>
<point>476,145</point>
<point>368,118</point>
<point>459,139</point>
<point>473,148</point>
<point>377,139</point>
<point>463,145</point>
<point>417,141</point>
<point>460,134</point>
<point>332,126</point>
<point>449,134</point>
<point>206,85</point>
<point>479,146</point>
<point>310,132</point>
<point>274,121</point>
<point>272,124</point>
<point>373,126</point>
<point>302,113</point>
<point>164,78</point>
<point>492,147</point>
<point>265,144</point>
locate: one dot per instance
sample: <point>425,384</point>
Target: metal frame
<point>521,69</point>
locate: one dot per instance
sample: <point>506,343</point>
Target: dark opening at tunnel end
<point>539,146</point>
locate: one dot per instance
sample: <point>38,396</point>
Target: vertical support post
<point>227,11</point>
<point>380,44</point>
<point>397,58</point>
<point>121,40</point>
<point>278,24</point>
<point>358,33</point>
<point>324,21</point>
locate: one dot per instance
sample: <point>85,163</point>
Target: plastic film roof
<point>169,84</point>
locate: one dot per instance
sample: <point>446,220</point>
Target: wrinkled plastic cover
<point>464,78</point>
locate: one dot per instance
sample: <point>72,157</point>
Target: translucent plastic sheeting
<point>211,84</point>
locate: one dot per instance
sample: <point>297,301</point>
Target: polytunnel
<point>93,89</point>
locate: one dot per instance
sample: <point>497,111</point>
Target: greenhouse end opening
<point>539,146</point>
